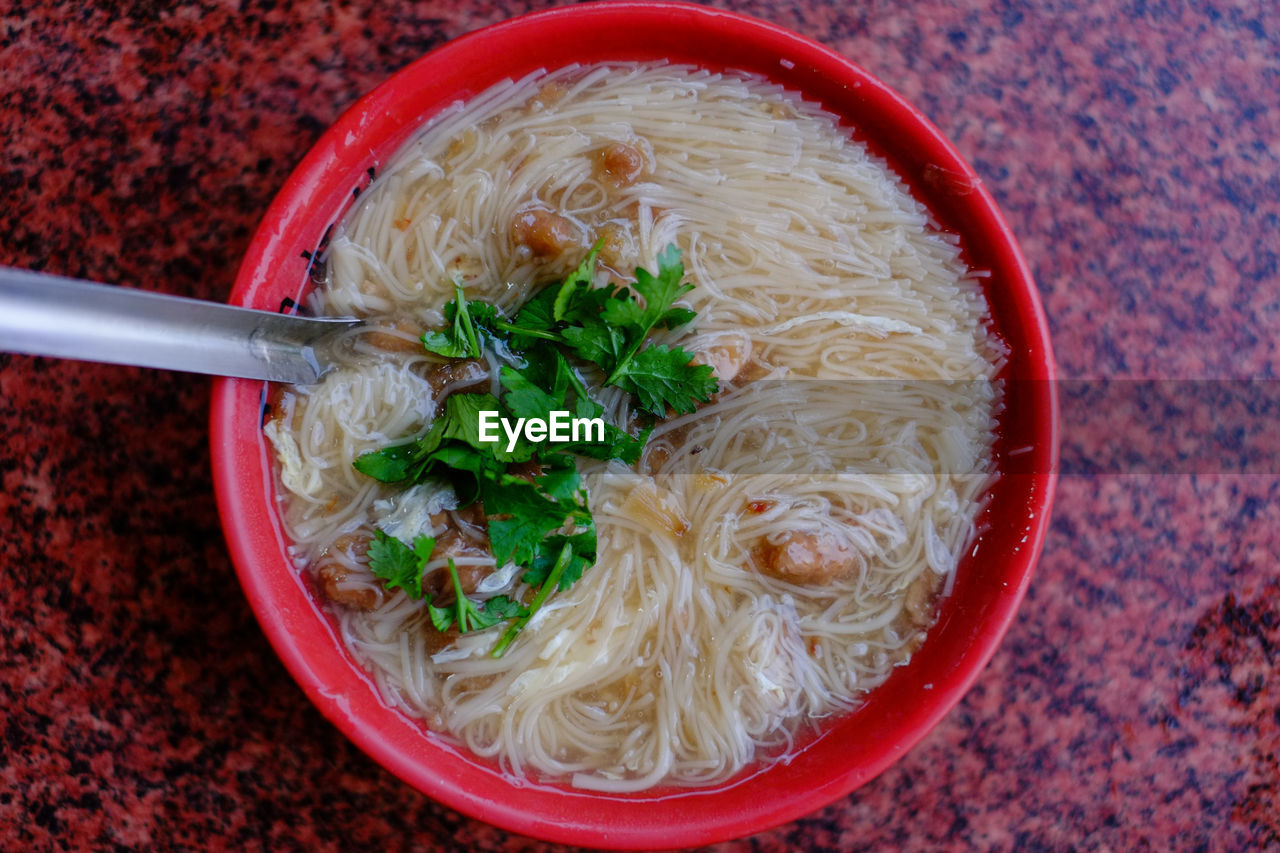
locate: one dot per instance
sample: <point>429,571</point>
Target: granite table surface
<point>1134,146</point>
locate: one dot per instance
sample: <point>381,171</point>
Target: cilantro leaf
<point>390,464</point>
<point>661,376</point>
<point>397,463</point>
<point>659,292</point>
<point>516,537</point>
<point>485,317</point>
<point>526,399</point>
<point>582,548</point>
<point>598,342</point>
<point>463,467</point>
<point>662,290</point>
<point>676,317</point>
<point>467,614</point>
<point>461,340</point>
<point>536,315</point>
<point>559,477</point>
<point>577,282</point>
<point>488,319</point>
<point>441,617</point>
<point>617,444</point>
<point>467,459</point>
<point>462,417</point>
<point>503,607</point>
<point>398,565</point>
<point>462,423</point>
<point>445,345</point>
<point>549,583</point>
<point>524,516</point>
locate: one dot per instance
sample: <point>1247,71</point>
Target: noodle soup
<point>774,554</point>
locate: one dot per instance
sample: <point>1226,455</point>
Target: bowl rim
<point>284,609</point>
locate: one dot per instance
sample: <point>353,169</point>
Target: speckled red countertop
<point>1135,148</point>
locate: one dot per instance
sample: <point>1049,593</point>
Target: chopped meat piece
<point>462,145</point>
<point>527,471</point>
<point>456,375</point>
<point>439,585</point>
<point>331,577</point>
<point>658,453</point>
<point>727,355</point>
<point>437,641</point>
<point>473,519</point>
<point>350,544</point>
<point>545,232</point>
<point>918,601</point>
<point>549,95</point>
<point>613,246</point>
<point>779,110</point>
<point>408,340</point>
<point>456,543</point>
<point>801,557</point>
<point>752,370</point>
<point>465,536</point>
<point>285,408</point>
<point>621,164</point>
<point>655,456</point>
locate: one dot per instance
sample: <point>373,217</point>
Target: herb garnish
<point>540,522</point>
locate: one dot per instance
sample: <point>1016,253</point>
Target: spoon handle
<point>67,318</point>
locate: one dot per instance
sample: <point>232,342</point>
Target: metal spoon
<point>67,318</point>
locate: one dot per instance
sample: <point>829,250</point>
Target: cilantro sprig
<point>468,615</point>
<point>609,328</point>
<point>461,340</point>
<point>542,522</point>
<point>402,566</point>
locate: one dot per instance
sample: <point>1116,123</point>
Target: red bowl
<point>990,581</point>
